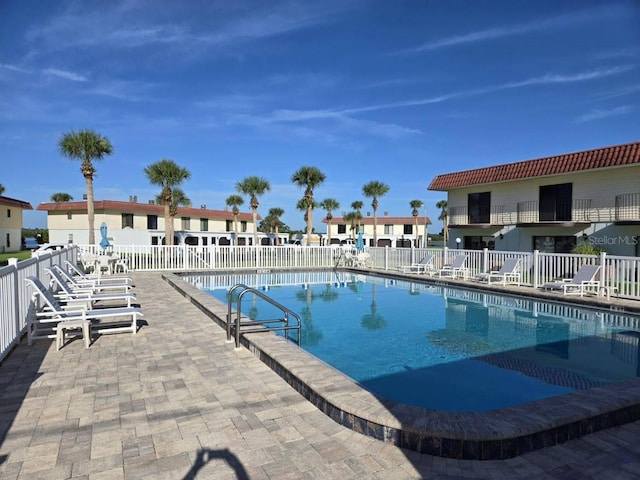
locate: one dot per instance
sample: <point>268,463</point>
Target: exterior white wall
<point>599,186</point>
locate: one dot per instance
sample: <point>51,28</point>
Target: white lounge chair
<point>94,278</point>
<point>46,312</point>
<point>421,267</point>
<point>509,273</point>
<point>583,282</point>
<point>84,295</point>
<point>456,269</point>
<point>361,260</point>
<point>94,283</point>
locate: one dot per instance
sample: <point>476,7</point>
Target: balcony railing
<point>576,211</point>
<point>478,216</point>
<point>628,207</point>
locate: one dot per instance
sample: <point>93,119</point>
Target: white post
<point>536,269</point>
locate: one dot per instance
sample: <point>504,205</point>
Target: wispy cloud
<point>600,114</point>
<point>13,68</point>
<point>560,21</point>
<point>74,77</point>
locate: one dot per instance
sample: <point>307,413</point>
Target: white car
<point>47,247</point>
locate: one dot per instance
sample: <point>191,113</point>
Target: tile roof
<point>12,202</point>
<point>122,206</point>
<point>382,220</point>
<point>612,156</point>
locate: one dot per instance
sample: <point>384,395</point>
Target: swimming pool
<point>441,347</point>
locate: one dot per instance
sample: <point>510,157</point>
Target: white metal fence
<point>621,273</point>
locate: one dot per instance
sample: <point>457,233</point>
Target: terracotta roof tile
<point>101,205</point>
<point>382,220</point>
<point>613,156</point>
<point>12,202</point>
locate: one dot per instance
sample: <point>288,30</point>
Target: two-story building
<point>134,223</point>
<point>11,223</point>
<point>391,231</point>
<point>548,204</point>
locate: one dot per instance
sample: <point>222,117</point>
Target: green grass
<point>21,255</point>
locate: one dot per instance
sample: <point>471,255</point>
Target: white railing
<point>620,274</point>
<point>15,297</point>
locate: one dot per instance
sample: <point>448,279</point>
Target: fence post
<point>536,268</point>
<point>386,257</point>
<point>485,260</point>
<point>603,269</point>
<point>13,262</point>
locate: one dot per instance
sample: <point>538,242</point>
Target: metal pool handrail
<point>261,324</point>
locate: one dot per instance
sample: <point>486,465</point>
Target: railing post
<point>536,268</point>
<point>485,259</point>
<point>603,269</point>
<point>386,257</point>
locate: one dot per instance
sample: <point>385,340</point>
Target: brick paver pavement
<point>176,401</point>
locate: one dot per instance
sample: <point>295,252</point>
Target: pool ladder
<point>245,325</point>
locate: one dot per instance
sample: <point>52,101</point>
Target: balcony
<point>627,210</point>
<point>529,213</point>
<point>479,217</point>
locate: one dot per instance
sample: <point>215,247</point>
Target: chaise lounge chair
<point>509,273</point>
<point>98,286</point>
<point>95,279</point>
<point>421,267</point>
<point>83,295</point>
<point>46,312</point>
<point>583,282</point>
<point>456,268</point>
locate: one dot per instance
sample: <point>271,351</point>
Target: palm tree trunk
<point>90,210</point>
<point>375,227</point>
<point>309,225</point>
<point>235,229</point>
<point>328,232</point>
<point>168,237</point>
<point>255,226</point>
<point>416,245</point>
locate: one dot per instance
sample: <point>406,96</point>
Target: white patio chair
<point>583,282</point>
<point>509,273</point>
<point>420,267</point>
<point>456,269</point>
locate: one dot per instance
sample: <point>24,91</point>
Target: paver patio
<point>176,401</point>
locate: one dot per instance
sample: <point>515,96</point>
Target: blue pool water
<point>441,347</point>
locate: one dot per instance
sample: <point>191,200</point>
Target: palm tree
<point>167,174</point>
<point>275,213</point>
<point>444,216</point>
<point>178,197</point>
<point>61,197</point>
<point>86,146</point>
<point>253,186</point>
<point>234,201</point>
<point>357,207</point>
<point>415,206</point>
<point>375,189</point>
<point>1,189</point>
<point>353,218</point>
<point>329,204</point>
<point>309,178</point>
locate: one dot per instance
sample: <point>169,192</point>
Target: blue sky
<point>395,91</point>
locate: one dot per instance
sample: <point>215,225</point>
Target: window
<point>477,242</point>
<point>243,226</point>
<point>152,222</point>
<point>479,207</point>
<point>186,223</point>
<point>127,220</point>
<point>8,239</point>
<point>154,240</point>
<point>69,215</point>
<point>342,228</point>
<point>407,229</point>
<point>204,241</point>
<point>70,238</point>
<point>204,224</point>
<point>8,215</point>
<point>388,229</point>
<point>229,227</point>
<point>555,202</point>
<point>551,244</point>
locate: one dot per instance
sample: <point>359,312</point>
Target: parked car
<point>47,247</point>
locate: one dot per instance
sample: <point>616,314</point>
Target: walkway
<point>176,401</point>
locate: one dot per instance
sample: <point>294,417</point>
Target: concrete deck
<point>177,401</point>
